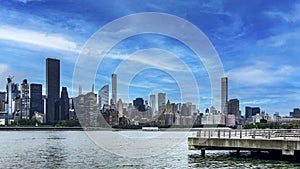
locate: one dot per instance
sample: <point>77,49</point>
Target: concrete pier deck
<point>286,141</point>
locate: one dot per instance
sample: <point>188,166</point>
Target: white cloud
<point>259,73</point>
<point>291,16</point>
<point>26,1</point>
<point>280,40</point>
<point>42,39</point>
<point>159,60</point>
<point>3,68</point>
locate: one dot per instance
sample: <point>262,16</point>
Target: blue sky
<point>257,42</point>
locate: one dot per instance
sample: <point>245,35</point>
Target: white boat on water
<point>150,129</point>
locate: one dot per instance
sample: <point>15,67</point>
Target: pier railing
<point>293,134</point>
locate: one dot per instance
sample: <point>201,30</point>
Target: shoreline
<point>41,129</point>
<point>85,129</point>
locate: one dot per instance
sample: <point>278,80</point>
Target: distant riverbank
<point>49,128</point>
<point>41,128</point>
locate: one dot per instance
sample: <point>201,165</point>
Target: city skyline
<point>259,51</point>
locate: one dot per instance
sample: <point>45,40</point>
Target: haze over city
<point>257,43</point>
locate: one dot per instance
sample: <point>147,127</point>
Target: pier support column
<point>203,152</point>
<point>238,152</point>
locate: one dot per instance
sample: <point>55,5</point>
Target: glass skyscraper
<point>52,89</point>
<point>103,96</point>
<point>25,101</point>
<point>36,99</point>
<point>64,104</point>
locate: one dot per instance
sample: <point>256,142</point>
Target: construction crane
<point>10,78</point>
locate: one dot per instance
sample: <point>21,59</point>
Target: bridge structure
<point>286,142</point>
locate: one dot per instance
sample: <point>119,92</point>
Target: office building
<point>233,107</point>
<point>251,111</point>
<point>25,100</point>
<point>52,89</point>
<point>103,96</point>
<point>114,88</point>
<point>152,103</point>
<point>36,99</point>
<point>138,103</point>
<point>64,104</point>
<point>161,102</point>
<point>2,101</point>
<point>295,113</point>
<point>184,111</point>
<point>13,99</point>
<point>87,110</point>
<point>120,108</point>
<point>224,94</point>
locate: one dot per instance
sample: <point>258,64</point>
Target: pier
<point>286,142</point>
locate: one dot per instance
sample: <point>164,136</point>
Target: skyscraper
<point>152,103</point>
<point>64,104</point>
<point>120,108</point>
<point>138,103</point>
<point>13,99</point>
<point>251,111</point>
<point>103,96</point>
<point>224,94</point>
<point>36,99</point>
<point>9,98</point>
<point>161,102</point>
<point>52,89</point>
<point>114,88</point>
<point>25,100</point>
<point>233,107</point>
<point>2,101</point>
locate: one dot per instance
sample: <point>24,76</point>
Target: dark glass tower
<point>64,104</point>
<point>36,100</point>
<point>138,103</point>
<point>52,89</point>
<point>25,101</point>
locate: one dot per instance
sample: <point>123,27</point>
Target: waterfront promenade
<point>285,141</point>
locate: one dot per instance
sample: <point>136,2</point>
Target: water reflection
<point>51,151</point>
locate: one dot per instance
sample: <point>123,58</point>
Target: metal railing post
<point>253,134</point>
<point>241,134</point>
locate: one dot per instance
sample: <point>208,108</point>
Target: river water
<point>74,149</point>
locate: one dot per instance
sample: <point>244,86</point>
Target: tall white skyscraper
<point>103,96</point>
<point>224,94</point>
<point>114,88</point>
<point>152,103</point>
